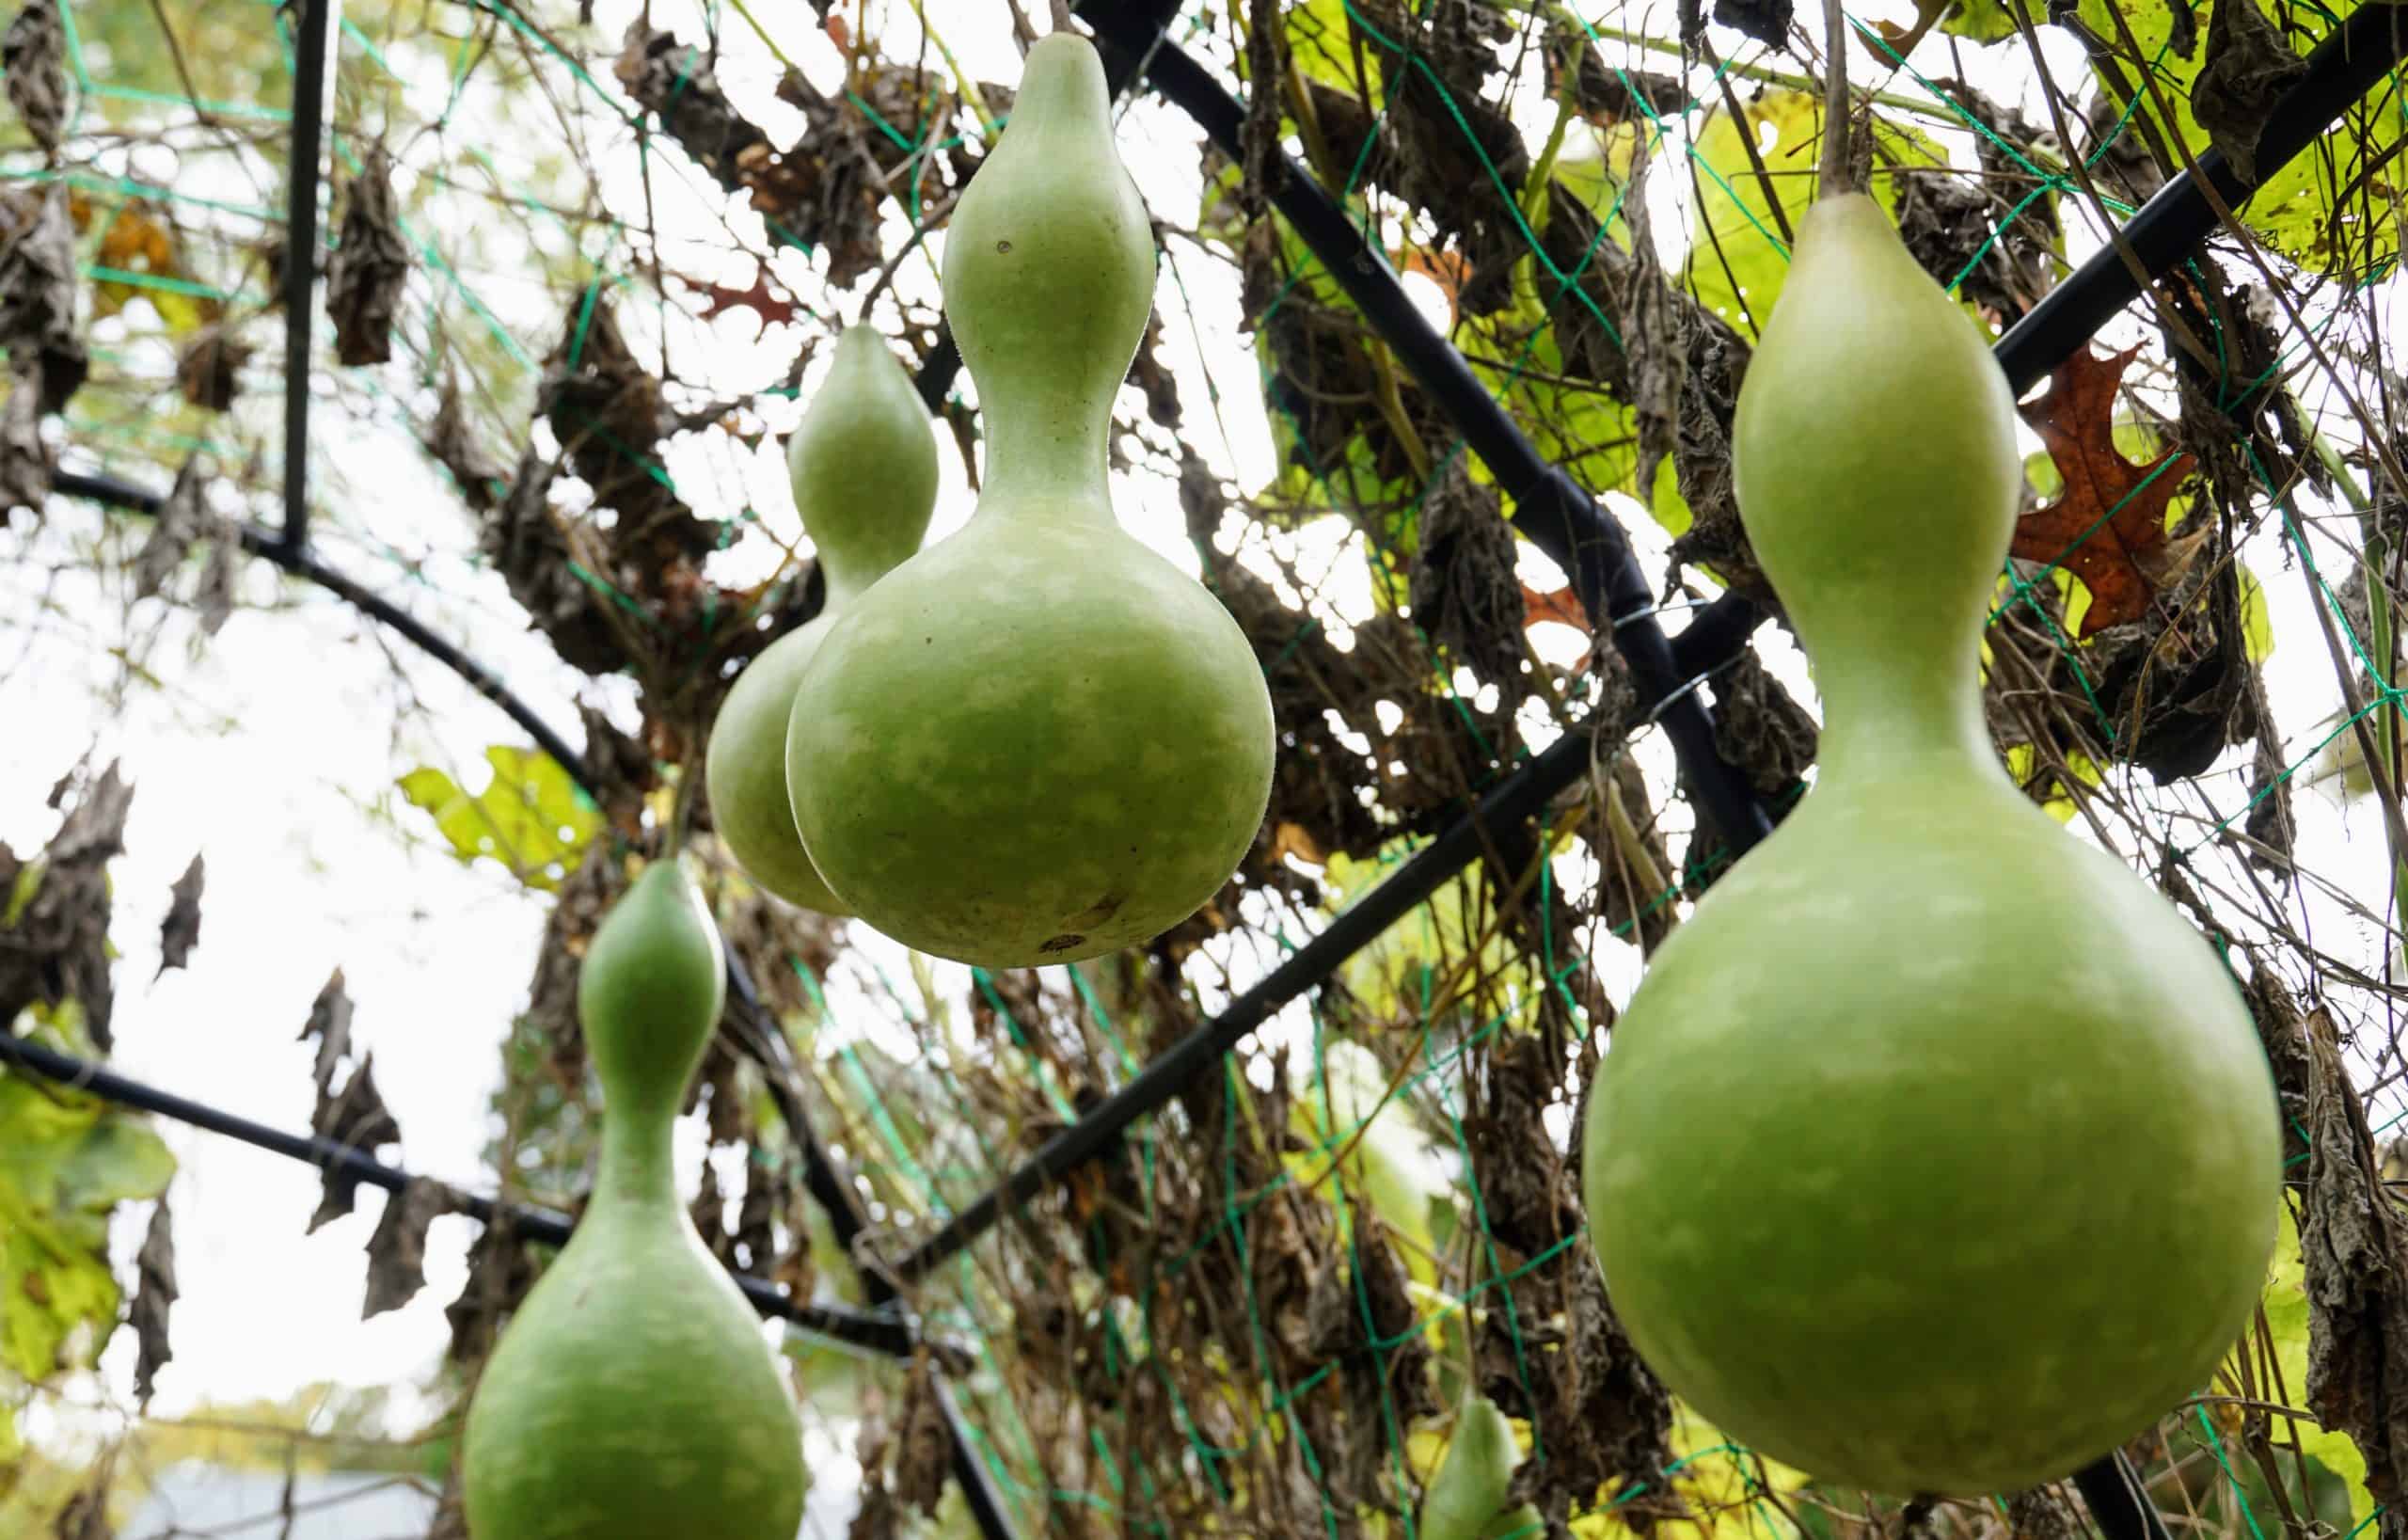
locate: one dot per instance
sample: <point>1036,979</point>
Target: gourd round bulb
<point>632,1394</point>
<point>1935,1153</point>
<point>863,464</point>
<point>1037,740</point>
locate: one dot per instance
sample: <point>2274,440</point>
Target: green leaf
<point>1738,257</point>
<point>66,1160</point>
<point>1394,1159</point>
<point>2286,1306</point>
<point>2293,212</point>
<point>1979,21</point>
<point>530,818</point>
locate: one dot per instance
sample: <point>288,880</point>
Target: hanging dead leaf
<point>26,460</point>
<point>154,1292</point>
<point>34,55</point>
<point>214,596</point>
<point>359,1120</point>
<point>209,369</point>
<point>370,267</point>
<point>330,1024</point>
<point>2248,68</point>
<point>57,947</point>
<point>501,1271</point>
<point>2108,526</point>
<point>37,277</point>
<point>397,1252</point>
<point>173,528</point>
<point>452,443</point>
<point>180,932</point>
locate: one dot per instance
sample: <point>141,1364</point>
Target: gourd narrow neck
<point>636,1168</point>
<point>844,584</point>
<point>1046,458</point>
<point>1893,715</point>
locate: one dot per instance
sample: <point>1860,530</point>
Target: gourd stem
<point>1835,178</point>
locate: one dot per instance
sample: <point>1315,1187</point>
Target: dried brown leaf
<point>34,55</point>
<point>370,267</point>
<point>397,1252</point>
<point>38,280</point>
<point>2248,68</point>
<point>154,1292</point>
<point>57,948</point>
<point>181,931</point>
<point>25,461</point>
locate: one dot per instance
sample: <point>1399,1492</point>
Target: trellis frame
<point>1551,510</point>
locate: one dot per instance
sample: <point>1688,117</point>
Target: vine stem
<point>1835,178</point>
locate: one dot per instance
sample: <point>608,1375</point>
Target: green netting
<point>1278,1198</point>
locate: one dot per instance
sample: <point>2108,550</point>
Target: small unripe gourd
<point>863,463</point>
<point>1037,740</point>
<point>632,1395</point>
<point>1936,1152</point>
<point>1467,1493</point>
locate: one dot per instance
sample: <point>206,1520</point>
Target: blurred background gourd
<point>632,1395</point>
<point>864,464</point>
<point>1936,1152</point>
<point>1037,740</point>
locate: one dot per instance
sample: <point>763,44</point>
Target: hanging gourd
<point>1466,1497</point>
<point>864,464</point>
<point>632,1395</point>
<point>1037,740</point>
<point>1935,1154</point>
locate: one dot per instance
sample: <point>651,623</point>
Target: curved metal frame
<point>1552,511</point>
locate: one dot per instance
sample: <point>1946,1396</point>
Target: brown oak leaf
<point>2110,519</point>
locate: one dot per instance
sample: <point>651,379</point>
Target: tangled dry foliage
<point>1252,1313</point>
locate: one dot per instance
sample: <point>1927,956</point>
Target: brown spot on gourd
<point>1061,944</point>
<point>1003,248</point>
<point>1095,914</point>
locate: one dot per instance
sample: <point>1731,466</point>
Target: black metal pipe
<point>2113,1490</point>
<point>822,1179</point>
<point>302,177</point>
<point>1522,795</point>
<point>1551,510</point>
<point>875,1332</point>
<point>296,560</point>
<point>2173,224</point>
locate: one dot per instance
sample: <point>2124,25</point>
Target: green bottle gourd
<point>632,1395</point>
<point>1935,1153</point>
<point>863,463</point>
<point>1037,740</point>
<point>1466,1497</point>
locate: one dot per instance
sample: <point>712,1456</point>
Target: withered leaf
<point>213,594</point>
<point>397,1252</point>
<point>370,267</point>
<point>154,1291</point>
<point>330,1024</point>
<point>173,529</point>
<point>1466,595</point>
<point>357,1118</point>
<point>2110,519</point>
<point>501,1271</point>
<point>455,446</point>
<point>58,949</point>
<point>209,369</point>
<point>181,931</point>
<point>38,272</point>
<point>1650,325</point>
<point>34,53</point>
<point>25,461</point>
<point>768,308</point>
<point>2353,1245</point>
<point>2248,68</point>
<point>923,1447</point>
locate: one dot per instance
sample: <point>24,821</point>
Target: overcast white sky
<point>262,749</point>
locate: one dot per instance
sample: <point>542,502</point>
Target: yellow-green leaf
<point>530,818</point>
